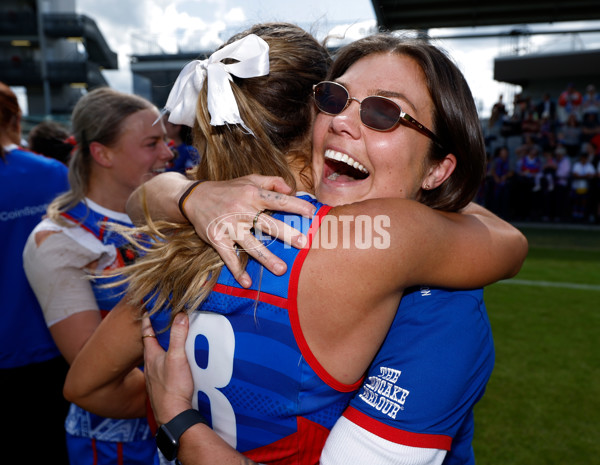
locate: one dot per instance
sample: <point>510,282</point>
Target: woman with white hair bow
<point>266,381</point>
<point>252,54</point>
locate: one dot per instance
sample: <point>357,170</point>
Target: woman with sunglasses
<point>416,403</point>
<point>338,316</point>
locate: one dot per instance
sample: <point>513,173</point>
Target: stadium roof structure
<point>533,72</point>
<point>427,14</point>
<point>523,70</point>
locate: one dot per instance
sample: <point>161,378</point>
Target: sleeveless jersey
<point>430,372</point>
<point>79,421</point>
<point>256,380</point>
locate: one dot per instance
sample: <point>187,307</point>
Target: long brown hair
<point>177,268</point>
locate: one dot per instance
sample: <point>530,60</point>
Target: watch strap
<point>167,437</point>
<point>178,425</point>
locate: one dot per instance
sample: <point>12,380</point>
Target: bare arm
<point>171,387</point>
<point>161,196</point>
<point>508,247</point>
<point>487,248</point>
<point>419,245</point>
<point>361,281</point>
<point>71,334</point>
<point>103,378</point>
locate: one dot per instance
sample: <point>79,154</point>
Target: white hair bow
<point>252,54</point>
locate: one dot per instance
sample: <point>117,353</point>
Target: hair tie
<point>71,141</point>
<point>252,55</point>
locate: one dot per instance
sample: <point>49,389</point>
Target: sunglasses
<point>376,112</point>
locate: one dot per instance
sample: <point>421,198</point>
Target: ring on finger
<point>255,220</point>
<point>148,335</point>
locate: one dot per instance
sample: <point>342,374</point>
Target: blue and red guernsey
<point>431,370</point>
<point>97,224</point>
<point>256,380</point>
<point>93,438</point>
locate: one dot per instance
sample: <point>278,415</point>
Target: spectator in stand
<point>32,370</point>
<point>590,150</point>
<point>500,174</point>
<point>595,141</point>
<point>484,194</point>
<point>582,174</point>
<point>522,150</point>
<point>590,127</point>
<point>591,101</point>
<point>544,179</point>
<point>569,102</point>
<point>51,139</point>
<point>595,151</point>
<point>187,156</point>
<point>547,107</point>
<point>547,133</point>
<point>597,181</point>
<point>494,132</point>
<point>520,103</point>
<point>570,135</point>
<point>545,182</point>
<point>561,184</point>
<point>530,126</point>
<point>593,206</point>
<point>511,126</point>
<point>528,166</point>
<point>497,115</point>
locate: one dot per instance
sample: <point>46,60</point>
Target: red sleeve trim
<point>398,436</point>
<point>303,446</point>
<point>293,310</point>
<point>265,297</point>
<point>79,223</point>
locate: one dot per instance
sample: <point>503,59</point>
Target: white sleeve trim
<point>55,271</point>
<point>349,443</point>
<point>104,253</point>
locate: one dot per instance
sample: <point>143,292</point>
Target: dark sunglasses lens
<point>330,98</point>
<point>379,113</point>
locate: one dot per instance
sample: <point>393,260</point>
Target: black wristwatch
<point>167,436</point>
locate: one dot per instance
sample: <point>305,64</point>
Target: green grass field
<point>542,404</point>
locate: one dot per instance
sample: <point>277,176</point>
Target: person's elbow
<point>74,391</point>
<point>520,251</point>
<point>69,391</point>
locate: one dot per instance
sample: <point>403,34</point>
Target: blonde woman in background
<point>118,148</point>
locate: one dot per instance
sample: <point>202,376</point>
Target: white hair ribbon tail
<point>252,54</point>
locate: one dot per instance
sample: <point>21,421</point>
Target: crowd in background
<point>544,158</point>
